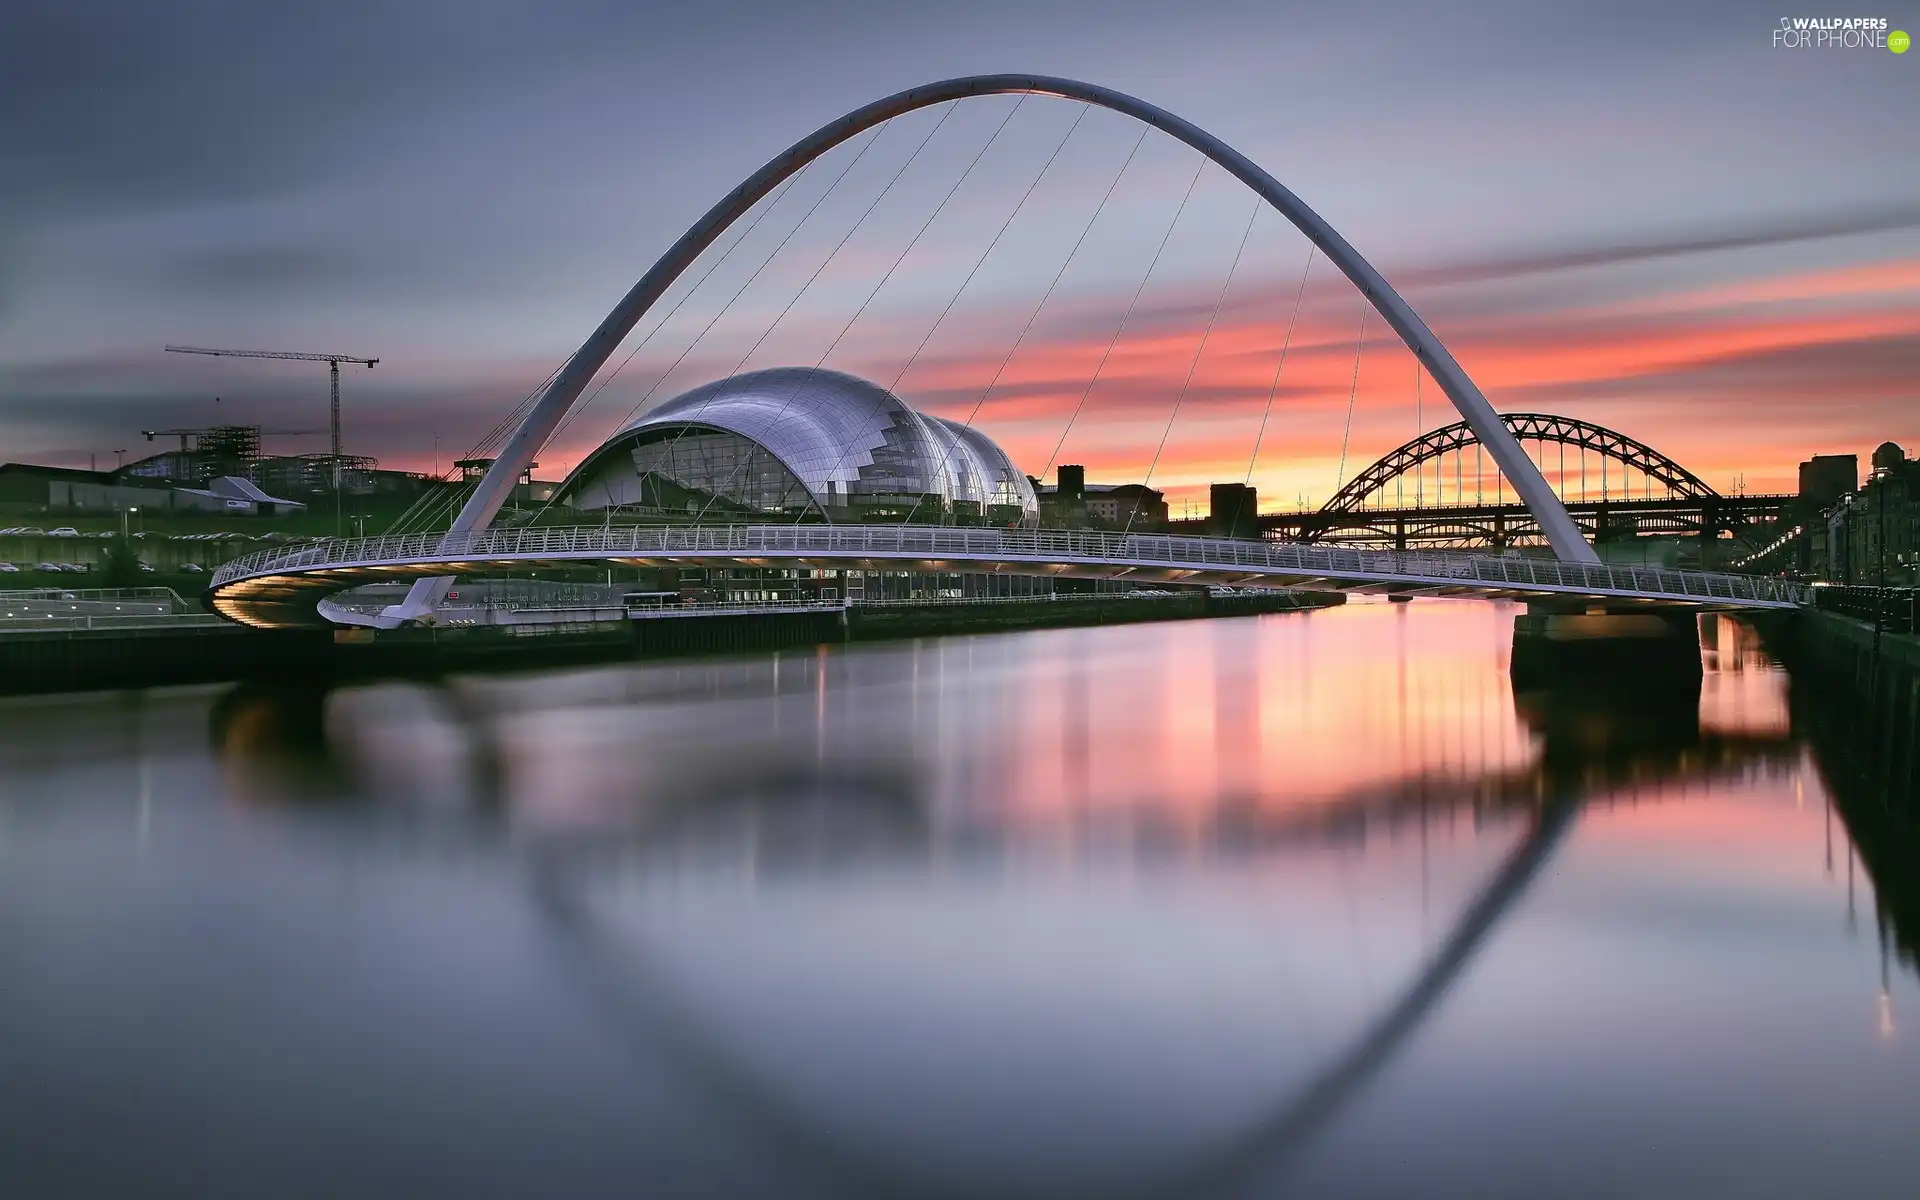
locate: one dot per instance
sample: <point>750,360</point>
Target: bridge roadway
<point>1489,521</point>
<point>285,587</point>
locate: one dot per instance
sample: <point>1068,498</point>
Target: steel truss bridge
<point>1374,507</point>
<point>1464,526</point>
<point>280,588</point>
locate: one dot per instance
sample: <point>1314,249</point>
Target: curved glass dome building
<point>795,441</point>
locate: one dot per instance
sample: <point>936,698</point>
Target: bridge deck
<point>282,587</point>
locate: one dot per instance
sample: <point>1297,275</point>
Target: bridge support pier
<point>1642,651</point>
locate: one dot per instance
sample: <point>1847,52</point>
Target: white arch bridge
<point>287,587</point>
<point>281,588</point>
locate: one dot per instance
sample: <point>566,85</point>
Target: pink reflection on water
<point>1282,710</point>
<point>1744,690</point>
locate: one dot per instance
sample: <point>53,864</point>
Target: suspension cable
<point>438,502</point>
<point>1273,389</point>
<point>785,187</point>
<point>1125,317</point>
<point>433,504</point>
<point>1419,423</point>
<point>1353,390</point>
<point>978,262</point>
<point>765,262</point>
<point>961,290</point>
<point>787,400</point>
<point>811,279</point>
<point>1198,351</point>
<point>1034,316</point>
<point>428,506</point>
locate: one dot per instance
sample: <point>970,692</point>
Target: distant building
<point>1872,535</point>
<point>66,490</point>
<point>527,490</point>
<point>311,475</point>
<point>233,451</point>
<point>1883,524</point>
<point>1825,478</point>
<point>1124,504</point>
<point>215,451</point>
<point>1233,510</point>
<point>801,443</point>
<point>1073,503</point>
<point>242,497</point>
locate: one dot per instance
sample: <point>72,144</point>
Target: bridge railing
<point>467,552</point>
<point>1896,609</point>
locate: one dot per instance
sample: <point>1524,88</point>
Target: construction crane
<point>333,362</point>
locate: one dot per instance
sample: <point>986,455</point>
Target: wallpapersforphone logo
<point>1840,33</point>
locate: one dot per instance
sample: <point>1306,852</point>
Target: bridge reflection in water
<point>672,818</point>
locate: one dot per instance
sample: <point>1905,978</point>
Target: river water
<point>1303,904</point>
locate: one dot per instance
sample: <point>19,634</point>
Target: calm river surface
<point>1289,905</point>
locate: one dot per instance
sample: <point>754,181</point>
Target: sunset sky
<point>1650,219</point>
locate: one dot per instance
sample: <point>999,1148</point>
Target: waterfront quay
<point>77,640</point>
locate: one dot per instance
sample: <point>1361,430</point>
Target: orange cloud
<point>1739,378</point>
<point>1747,392</point>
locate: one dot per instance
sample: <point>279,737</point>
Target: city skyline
<point>1623,252</point>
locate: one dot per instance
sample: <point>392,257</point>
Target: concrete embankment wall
<point>889,621</point>
<point>1856,698</point>
<point>1859,693</point>
<point>74,660</point>
<point>80,659</point>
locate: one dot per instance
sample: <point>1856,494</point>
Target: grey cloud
<point>1731,234</point>
<point>258,267</point>
<point>1775,380</point>
<point>511,164</point>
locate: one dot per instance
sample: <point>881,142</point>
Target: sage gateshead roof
<point>802,441</point>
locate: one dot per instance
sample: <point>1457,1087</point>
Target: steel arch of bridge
<point>552,406</point>
<point>1533,427</point>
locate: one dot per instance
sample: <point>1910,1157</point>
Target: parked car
<point>7,568</point>
<point>193,568</point>
<point>64,531</point>
<point>50,568</point>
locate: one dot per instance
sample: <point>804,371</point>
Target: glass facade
<point>800,439</point>
<point>690,469</point>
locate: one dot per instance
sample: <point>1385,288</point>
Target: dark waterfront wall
<point>82,659</point>
<point>1858,689</point>
<point>1855,696</point>
<point>78,660</point>
<point>871,623</point>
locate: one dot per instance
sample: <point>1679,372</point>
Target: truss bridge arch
<point>1539,428</point>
